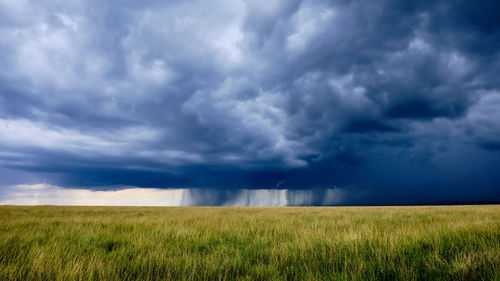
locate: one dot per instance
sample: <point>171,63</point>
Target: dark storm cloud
<point>388,97</point>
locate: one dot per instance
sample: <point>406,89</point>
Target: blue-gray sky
<point>387,102</point>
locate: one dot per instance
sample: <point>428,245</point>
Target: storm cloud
<point>395,100</point>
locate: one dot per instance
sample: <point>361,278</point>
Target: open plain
<point>231,243</point>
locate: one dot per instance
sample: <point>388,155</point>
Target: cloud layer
<point>397,98</point>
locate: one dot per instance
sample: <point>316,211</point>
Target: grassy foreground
<point>205,243</point>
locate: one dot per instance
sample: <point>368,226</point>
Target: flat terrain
<point>205,243</point>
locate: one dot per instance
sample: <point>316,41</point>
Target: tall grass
<point>216,243</point>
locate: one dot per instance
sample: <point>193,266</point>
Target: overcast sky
<point>382,102</point>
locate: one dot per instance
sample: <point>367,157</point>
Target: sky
<point>228,102</point>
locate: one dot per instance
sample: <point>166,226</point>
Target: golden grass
<point>218,243</point>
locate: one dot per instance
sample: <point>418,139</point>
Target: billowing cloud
<point>386,98</point>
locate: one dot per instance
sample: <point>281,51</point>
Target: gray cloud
<point>249,94</point>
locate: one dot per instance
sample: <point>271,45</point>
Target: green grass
<point>205,243</point>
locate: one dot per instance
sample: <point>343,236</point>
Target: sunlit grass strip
<point>209,243</point>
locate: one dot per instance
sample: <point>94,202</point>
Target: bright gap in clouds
<point>45,194</point>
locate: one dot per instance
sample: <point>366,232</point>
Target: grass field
<point>205,243</point>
